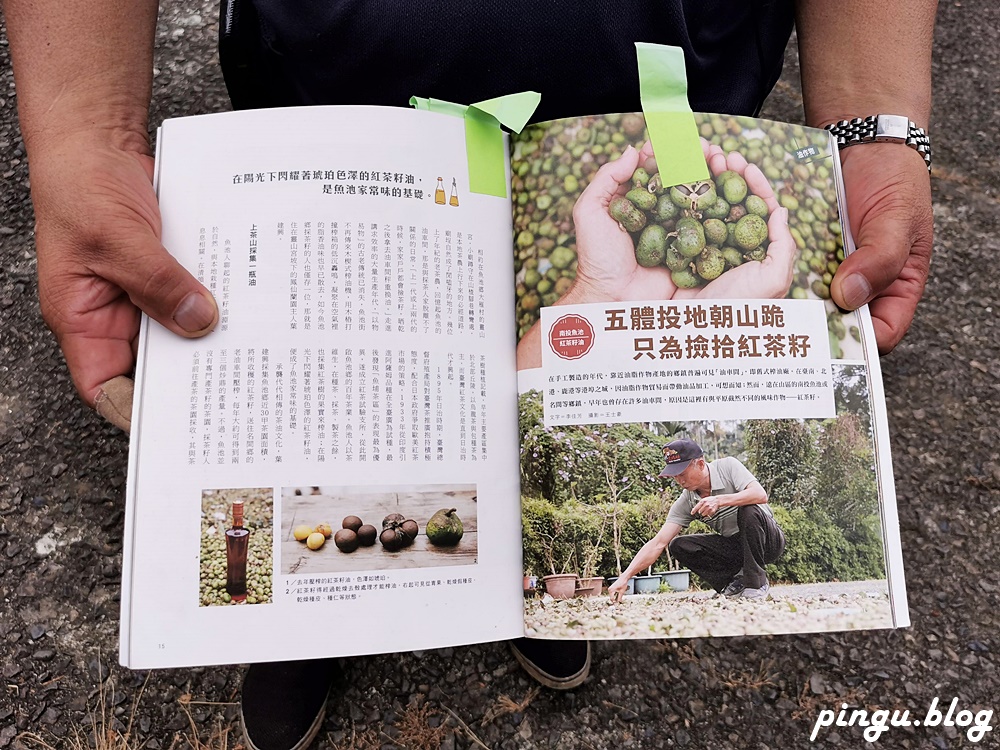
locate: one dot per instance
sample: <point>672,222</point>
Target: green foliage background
<point>584,485</point>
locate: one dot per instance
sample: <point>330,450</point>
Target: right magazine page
<point>704,446</point>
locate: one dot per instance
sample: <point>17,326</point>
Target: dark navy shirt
<point>579,54</point>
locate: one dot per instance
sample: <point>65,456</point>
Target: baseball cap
<point>678,454</point>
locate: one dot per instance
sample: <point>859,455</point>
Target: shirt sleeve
<point>739,475</point>
<point>680,513</point>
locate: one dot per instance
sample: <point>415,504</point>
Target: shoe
<point>560,665</point>
<point>283,704</point>
<point>735,587</point>
<point>760,593</point>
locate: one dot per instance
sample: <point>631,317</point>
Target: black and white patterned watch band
<point>882,129</point>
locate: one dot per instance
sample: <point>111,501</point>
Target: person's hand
<point>607,270</point>
<point>889,207</point>
<point>770,278</point>
<point>616,591</point>
<point>100,260</point>
<point>706,507</point>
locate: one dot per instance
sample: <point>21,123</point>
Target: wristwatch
<point>882,129</point>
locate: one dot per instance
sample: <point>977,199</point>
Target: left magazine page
<point>340,454</point>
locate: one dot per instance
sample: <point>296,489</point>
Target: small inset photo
<point>237,557</point>
<point>340,529</point>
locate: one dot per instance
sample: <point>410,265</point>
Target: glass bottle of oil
<point>439,192</point>
<point>453,200</point>
<point>237,545</point>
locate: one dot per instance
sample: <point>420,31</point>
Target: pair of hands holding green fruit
<point>607,268</point>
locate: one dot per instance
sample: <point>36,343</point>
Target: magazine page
<point>340,452</point>
<point>704,440</point>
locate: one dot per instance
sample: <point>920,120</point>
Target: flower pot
<point>561,585</point>
<point>647,584</point>
<point>589,586</point>
<point>630,589</point>
<point>530,585</point>
<point>677,580</point>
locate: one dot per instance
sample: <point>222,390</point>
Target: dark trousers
<point>718,559</point>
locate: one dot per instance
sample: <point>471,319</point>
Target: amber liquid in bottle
<point>439,197</point>
<point>237,544</point>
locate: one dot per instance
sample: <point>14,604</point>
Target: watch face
<point>892,128</point>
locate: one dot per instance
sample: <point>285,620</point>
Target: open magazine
<point>396,438</point>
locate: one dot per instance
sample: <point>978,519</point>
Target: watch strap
<point>882,129</point>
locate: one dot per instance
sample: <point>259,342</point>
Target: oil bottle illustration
<point>439,192</point>
<point>237,544</point>
<point>454,193</point>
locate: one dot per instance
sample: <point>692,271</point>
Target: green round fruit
<point>756,205</point>
<point>715,231</point>
<point>750,231</point>
<point>710,263</point>
<point>734,189</point>
<point>685,279</point>
<point>642,198</point>
<point>627,213</point>
<point>651,249</point>
<point>445,529</point>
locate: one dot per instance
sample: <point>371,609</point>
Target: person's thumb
<point>114,402</point>
<point>883,241</point>
<point>609,178</point>
<point>163,289</point>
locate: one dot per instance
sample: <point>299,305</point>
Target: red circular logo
<point>571,337</point>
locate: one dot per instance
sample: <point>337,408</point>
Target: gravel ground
<point>790,609</point>
<point>62,478</point>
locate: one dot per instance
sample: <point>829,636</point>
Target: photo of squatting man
<point>725,496</point>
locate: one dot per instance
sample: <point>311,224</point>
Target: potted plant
<point>677,580</point>
<point>561,585</point>
<point>676,577</point>
<point>647,584</point>
<point>530,583</point>
<point>589,584</point>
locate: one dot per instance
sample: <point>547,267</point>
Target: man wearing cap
<point>724,495</point>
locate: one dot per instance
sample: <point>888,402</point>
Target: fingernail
<point>195,313</point>
<point>856,290</point>
<point>629,149</point>
<point>784,215</point>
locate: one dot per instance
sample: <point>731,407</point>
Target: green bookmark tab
<point>483,138</point>
<point>669,120</point>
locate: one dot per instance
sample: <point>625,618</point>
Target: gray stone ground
<point>60,465</point>
<point>800,608</point>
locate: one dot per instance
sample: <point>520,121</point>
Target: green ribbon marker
<point>484,145</point>
<point>669,120</point>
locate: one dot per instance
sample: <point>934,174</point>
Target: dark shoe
<point>560,665</point>
<point>761,593</point>
<point>283,704</point>
<point>735,587</point>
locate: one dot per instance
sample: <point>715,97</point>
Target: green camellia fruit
<point>625,212</point>
<point>750,231</point>
<point>732,256</point>
<point>642,198</point>
<point>651,250</point>
<point>718,210</point>
<point>640,178</point>
<point>667,210</point>
<point>445,528</point>
<point>710,263</point>
<point>715,231</point>
<point>756,205</point>
<point>734,189</point>
<point>675,261</point>
<point>690,237</point>
<point>685,279</point>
